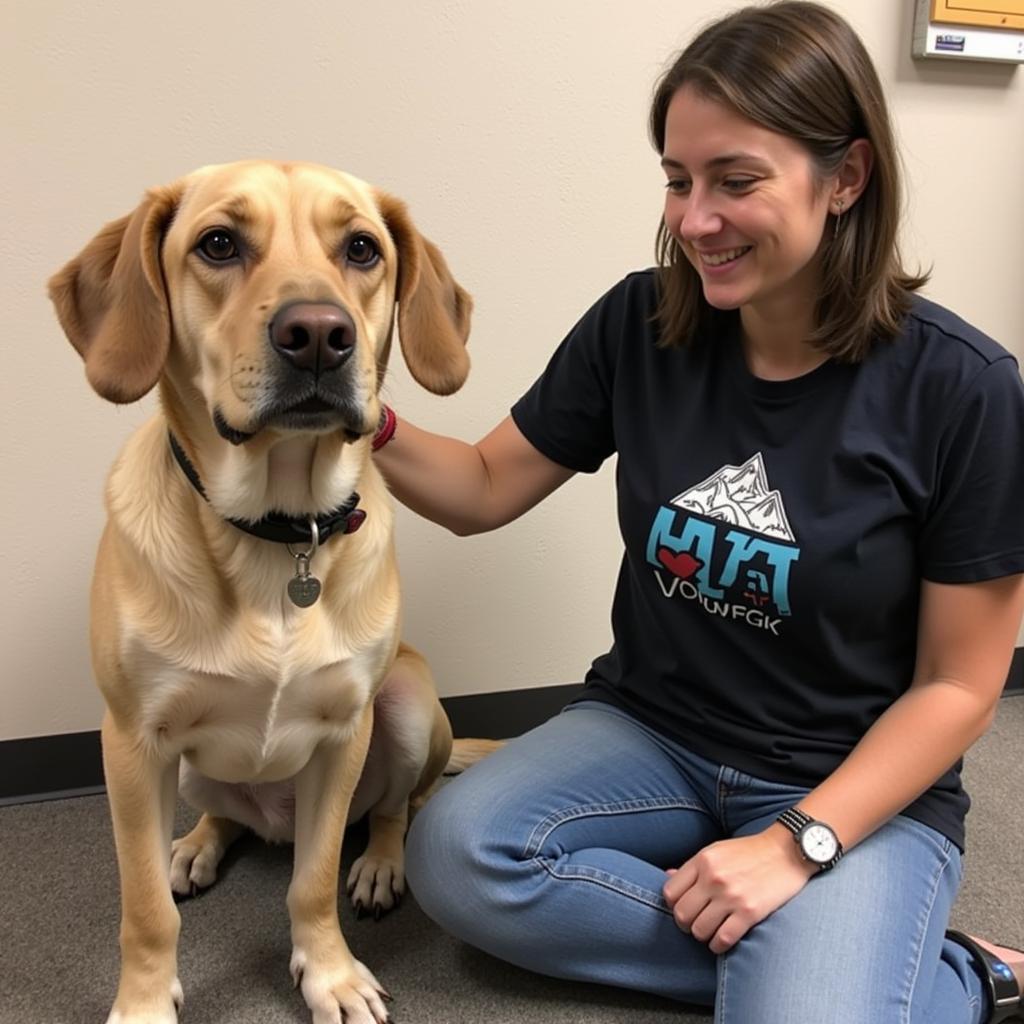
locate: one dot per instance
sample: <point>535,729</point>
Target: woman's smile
<point>721,260</point>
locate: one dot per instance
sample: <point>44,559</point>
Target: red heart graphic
<point>683,564</point>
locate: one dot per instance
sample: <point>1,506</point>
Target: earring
<point>839,217</point>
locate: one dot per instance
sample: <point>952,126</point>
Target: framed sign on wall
<point>970,30</point>
<point>988,13</point>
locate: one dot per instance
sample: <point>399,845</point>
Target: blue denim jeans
<point>551,854</point>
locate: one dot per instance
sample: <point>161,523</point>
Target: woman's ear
<point>112,303</point>
<point>433,308</point>
<point>853,175</point>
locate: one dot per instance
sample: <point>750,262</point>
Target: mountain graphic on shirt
<point>740,495</point>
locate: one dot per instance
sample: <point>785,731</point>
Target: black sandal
<point>1003,989</point>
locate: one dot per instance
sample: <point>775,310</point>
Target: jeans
<point>551,854</point>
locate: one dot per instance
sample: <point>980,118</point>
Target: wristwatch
<point>817,842</point>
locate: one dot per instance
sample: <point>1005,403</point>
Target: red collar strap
<point>385,428</point>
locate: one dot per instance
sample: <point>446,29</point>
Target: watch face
<point>819,843</point>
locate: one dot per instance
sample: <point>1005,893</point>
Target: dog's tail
<point>467,752</point>
<point>464,753</point>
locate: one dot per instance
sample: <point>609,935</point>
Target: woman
<point>756,801</point>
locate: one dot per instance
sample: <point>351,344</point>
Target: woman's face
<point>742,202</point>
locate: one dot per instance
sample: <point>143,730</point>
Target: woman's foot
<point>1013,958</point>
<point>1002,969</point>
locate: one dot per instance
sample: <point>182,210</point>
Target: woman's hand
<point>719,894</point>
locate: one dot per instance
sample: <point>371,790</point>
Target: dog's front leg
<point>142,789</point>
<point>333,981</point>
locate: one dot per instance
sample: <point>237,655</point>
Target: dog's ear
<point>112,302</point>
<point>433,309</point>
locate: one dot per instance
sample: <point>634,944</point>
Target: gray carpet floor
<point>59,922</point>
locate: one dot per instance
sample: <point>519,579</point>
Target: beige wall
<point>516,131</point>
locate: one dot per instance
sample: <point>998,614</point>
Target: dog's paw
<point>193,865</point>
<point>376,884</point>
<point>165,1012</point>
<point>340,992</point>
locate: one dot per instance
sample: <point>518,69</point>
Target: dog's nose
<point>314,336</point>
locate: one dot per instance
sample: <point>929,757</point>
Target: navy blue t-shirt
<point>776,532</point>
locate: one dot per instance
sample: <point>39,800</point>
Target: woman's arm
<point>464,487</point>
<point>966,637</point>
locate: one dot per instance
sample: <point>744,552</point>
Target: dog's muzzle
<point>304,390</point>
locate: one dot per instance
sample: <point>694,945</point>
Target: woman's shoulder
<point>945,337</point>
<point>938,361</point>
<point>636,287</point>
<point>620,312</point>
<point>644,278</point>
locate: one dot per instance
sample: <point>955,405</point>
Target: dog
<point>245,607</point>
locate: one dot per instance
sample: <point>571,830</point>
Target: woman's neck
<point>776,347</point>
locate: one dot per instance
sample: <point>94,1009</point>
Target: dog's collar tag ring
<point>304,587</point>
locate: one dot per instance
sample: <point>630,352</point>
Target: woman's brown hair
<point>799,69</point>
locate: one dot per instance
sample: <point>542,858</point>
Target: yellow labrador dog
<point>245,603</point>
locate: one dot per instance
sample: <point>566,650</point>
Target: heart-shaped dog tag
<point>303,590</point>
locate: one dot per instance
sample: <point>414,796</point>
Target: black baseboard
<point>45,767</point>
<point>499,716</point>
<point>53,767</point>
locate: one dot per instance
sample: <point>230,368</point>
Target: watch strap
<point>795,820</point>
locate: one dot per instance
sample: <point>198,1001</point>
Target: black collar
<point>276,526</point>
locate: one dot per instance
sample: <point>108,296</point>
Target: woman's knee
<point>858,945</point>
<point>457,862</point>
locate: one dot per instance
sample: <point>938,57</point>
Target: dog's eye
<point>362,251</point>
<point>218,246</point>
